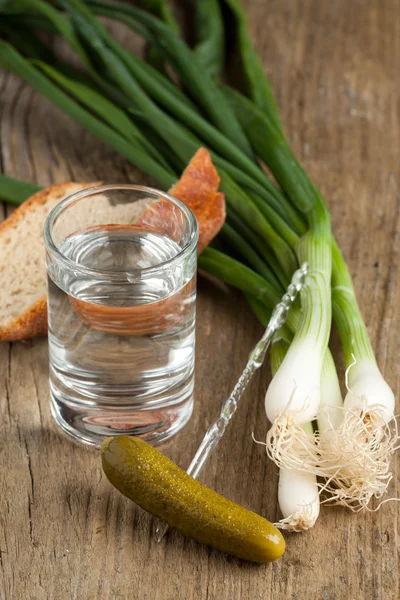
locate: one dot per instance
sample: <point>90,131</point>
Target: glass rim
<point>57,210</point>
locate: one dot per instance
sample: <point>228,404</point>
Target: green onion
<point>347,316</point>
<point>22,38</point>
<point>243,206</point>
<point>260,245</point>
<point>211,135</point>
<point>146,73</point>
<point>161,9</point>
<point>210,36</point>
<point>294,393</point>
<point>367,438</point>
<point>198,124</point>
<point>181,140</point>
<point>238,275</point>
<point>364,471</point>
<point>245,250</point>
<point>352,330</point>
<point>154,138</point>
<point>248,174</point>
<point>170,131</point>
<point>58,21</point>
<point>23,23</point>
<point>257,85</point>
<point>296,488</point>
<point>119,60</point>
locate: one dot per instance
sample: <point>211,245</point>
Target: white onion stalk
<point>293,397</point>
<point>298,494</point>
<point>297,455</point>
<point>294,394</point>
<point>359,451</point>
<point>292,401</point>
<point>299,491</point>
<point>330,414</point>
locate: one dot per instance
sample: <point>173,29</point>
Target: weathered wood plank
<point>64,532</point>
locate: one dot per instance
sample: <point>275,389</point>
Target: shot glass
<point>121,266</point>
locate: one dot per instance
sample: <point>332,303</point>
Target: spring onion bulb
<point>359,451</point>
<point>298,497</point>
<point>298,493</point>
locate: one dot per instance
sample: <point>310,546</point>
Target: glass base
<point>92,425</point>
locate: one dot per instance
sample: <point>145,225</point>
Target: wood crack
<point>36,389</point>
<point>31,492</point>
<point>68,501</point>
<point>8,383</point>
<point>30,470</point>
<point>30,518</point>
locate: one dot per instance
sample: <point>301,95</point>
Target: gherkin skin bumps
<point>151,480</point>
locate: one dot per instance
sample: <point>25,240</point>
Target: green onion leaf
<point>258,87</point>
<point>246,251</point>
<point>14,191</point>
<point>38,8</point>
<point>244,207</point>
<point>160,9</point>
<point>210,36</point>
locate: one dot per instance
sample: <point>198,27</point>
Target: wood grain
<point>64,533</point>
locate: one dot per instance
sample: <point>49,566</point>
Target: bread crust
<point>31,324</point>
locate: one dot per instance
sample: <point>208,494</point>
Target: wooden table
<point>65,533</point>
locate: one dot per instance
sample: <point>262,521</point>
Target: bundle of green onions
<point>158,122</point>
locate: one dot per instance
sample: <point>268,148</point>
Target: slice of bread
<point>23,306</point>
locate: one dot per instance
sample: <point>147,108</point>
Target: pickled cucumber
<point>159,486</point>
